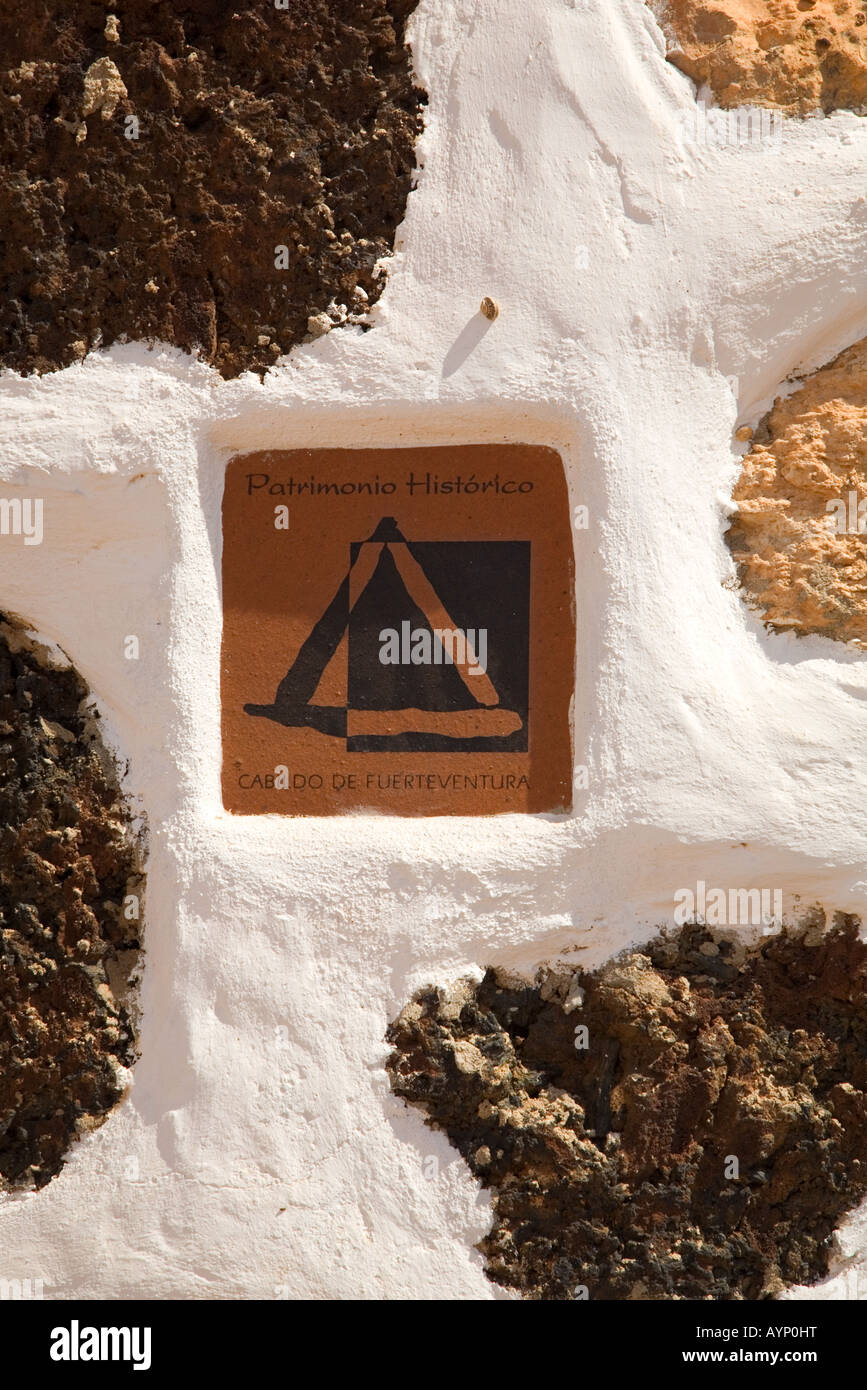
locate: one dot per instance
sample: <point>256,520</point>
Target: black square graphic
<point>476,585</point>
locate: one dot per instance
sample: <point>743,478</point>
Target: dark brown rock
<point>257,128</point>
<point>608,1165</point>
<point>68,940</point>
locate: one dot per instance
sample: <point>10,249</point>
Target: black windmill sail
<point>292,705</point>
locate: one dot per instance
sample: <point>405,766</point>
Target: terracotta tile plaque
<point>398,631</point>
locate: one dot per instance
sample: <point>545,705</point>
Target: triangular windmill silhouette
<point>468,705</point>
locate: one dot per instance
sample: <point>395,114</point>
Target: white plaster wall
<point>259,1153</point>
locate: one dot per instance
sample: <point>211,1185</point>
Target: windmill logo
<point>455,615</point>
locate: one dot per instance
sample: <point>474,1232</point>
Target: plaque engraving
<point>398,631</point>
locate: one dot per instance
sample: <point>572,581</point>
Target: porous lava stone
<point>703,1145</point>
<point>156,153</point>
<point>68,940</point>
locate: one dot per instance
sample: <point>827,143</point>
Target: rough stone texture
<point>257,128</point>
<point>67,860</point>
<point>607,1165</point>
<point>798,55</point>
<point>794,564</point>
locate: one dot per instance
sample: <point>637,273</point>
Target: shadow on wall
<point>469,338</point>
